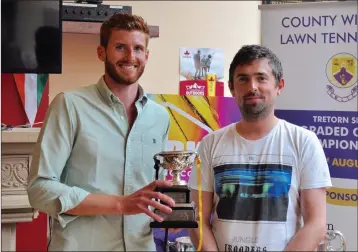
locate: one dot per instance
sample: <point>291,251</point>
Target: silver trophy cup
<point>183,213</point>
<point>332,237</point>
<point>176,162</point>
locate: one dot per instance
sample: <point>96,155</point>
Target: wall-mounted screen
<point>31,36</point>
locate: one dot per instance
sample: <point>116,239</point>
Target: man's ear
<point>101,53</point>
<point>231,87</point>
<point>146,55</point>
<point>280,86</point>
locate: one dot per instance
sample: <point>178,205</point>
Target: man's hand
<point>208,238</point>
<point>140,201</point>
<point>136,203</point>
<point>313,205</point>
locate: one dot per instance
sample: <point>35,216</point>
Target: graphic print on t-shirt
<point>253,192</point>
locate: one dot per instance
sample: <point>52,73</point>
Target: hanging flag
<point>31,88</point>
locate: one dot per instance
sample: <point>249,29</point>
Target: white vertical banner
<point>317,45</point>
<point>31,97</point>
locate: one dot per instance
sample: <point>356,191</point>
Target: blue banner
<point>338,133</point>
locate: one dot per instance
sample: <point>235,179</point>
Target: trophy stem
<point>176,178</point>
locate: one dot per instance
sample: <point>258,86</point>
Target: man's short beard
<point>251,112</point>
<point>111,71</point>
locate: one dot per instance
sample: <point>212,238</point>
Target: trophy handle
<point>333,234</point>
<point>330,236</point>
<point>155,157</point>
<point>156,165</point>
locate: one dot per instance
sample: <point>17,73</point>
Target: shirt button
<point>121,117</point>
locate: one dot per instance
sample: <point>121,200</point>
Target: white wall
<point>224,24</point>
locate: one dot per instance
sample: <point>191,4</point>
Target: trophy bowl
<point>176,162</point>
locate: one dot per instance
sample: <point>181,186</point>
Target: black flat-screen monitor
<point>31,36</point>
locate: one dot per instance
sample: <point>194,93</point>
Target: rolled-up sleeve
<point>46,191</point>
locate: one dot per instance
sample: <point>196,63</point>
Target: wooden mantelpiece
<point>94,28</point>
<point>16,149</point>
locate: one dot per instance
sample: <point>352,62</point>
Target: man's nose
<point>130,54</point>
<point>253,85</point>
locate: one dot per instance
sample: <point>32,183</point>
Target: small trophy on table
<point>183,213</point>
<point>331,236</point>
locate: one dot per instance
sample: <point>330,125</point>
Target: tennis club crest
<point>341,71</point>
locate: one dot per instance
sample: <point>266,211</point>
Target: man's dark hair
<point>249,53</point>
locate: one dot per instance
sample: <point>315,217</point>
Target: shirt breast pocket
<point>151,145</point>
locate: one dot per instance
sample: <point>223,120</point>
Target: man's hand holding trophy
<point>139,201</point>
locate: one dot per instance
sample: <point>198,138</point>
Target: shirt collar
<point>111,99</point>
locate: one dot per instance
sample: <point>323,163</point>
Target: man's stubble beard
<point>251,112</point>
<point>111,71</point>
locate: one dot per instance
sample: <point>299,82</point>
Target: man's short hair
<point>249,53</point>
<point>122,21</point>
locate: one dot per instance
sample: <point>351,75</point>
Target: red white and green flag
<point>31,88</point>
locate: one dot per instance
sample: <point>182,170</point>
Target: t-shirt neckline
<point>272,131</point>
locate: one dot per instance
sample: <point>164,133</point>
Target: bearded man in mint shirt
<point>92,167</point>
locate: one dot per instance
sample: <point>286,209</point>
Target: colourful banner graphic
<point>193,117</point>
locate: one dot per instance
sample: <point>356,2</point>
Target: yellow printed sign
<point>342,196</point>
<point>211,84</point>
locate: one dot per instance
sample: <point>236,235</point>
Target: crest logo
<point>195,86</point>
<point>341,71</point>
<point>186,54</point>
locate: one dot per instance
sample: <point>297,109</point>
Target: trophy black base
<point>179,193</point>
<point>174,224</point>
<point>182,216</point>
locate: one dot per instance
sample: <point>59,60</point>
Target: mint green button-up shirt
<point>85,146</point>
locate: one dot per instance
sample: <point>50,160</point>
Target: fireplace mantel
<point>16,149</point>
